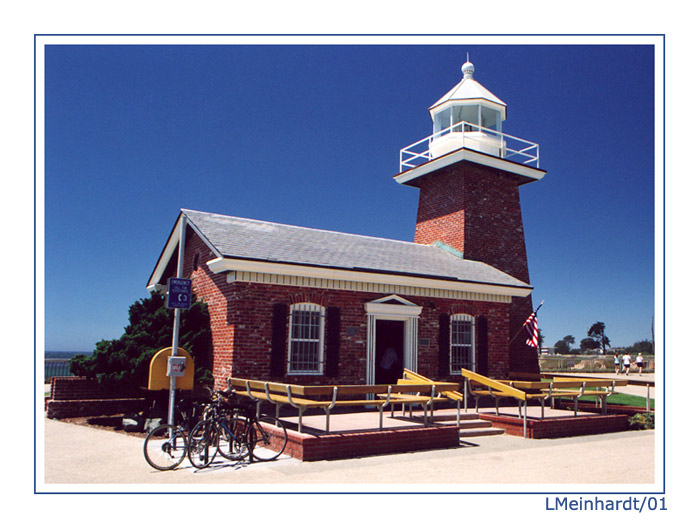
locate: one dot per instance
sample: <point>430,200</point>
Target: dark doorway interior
<point>388,367</point>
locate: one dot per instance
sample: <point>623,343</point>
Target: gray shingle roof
<point>235,237</point>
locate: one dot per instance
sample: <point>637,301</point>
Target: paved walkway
<point>82,457</point>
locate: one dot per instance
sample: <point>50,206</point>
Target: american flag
<point>531,328</point>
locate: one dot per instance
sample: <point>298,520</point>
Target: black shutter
<point>332,341</point>
<point>482,345</point>
<point>444,345</point>
<point>278,350</point>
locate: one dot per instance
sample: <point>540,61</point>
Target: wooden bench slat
<point>497,386</point>
<point>452,394</point>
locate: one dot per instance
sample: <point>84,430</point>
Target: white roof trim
<point>470,156</point>
<point>225,264</point>
<point>171,247</point>
<point>456,102</point>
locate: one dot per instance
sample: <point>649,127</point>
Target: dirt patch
<point>113,423</point>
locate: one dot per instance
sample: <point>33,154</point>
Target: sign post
<point>179,297</point>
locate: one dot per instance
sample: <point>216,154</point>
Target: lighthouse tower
<point>469,173</point>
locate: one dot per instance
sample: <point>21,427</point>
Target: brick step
<point>452,416</point>
<point>470,425</point>
<point>481,432</point>
<point>467,424</point>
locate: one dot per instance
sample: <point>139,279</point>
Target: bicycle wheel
<point>165,447</point>
<point>267,438</point>
<point>232,439</point>
<point>202,444</point>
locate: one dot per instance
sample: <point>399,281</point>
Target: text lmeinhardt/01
<point>650,503</point>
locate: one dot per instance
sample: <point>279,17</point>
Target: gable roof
<point>235,240</point>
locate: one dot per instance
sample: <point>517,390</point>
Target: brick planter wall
<point>560,426</point>
<point>81,397</point>
<point>375,442</point>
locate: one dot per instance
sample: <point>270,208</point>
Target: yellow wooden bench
<point>415,377</point>
<point>522,375</point>
<point>444,393</point>
<point>478,386</point>
<point>546,390</point>
<point>597,387</point>
<point>330,397</point>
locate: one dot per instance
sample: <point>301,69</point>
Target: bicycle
<point>165,446</point>
<point>215,429</point>
<point>235,431</point>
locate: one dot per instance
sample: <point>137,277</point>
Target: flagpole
<point>523,325</point>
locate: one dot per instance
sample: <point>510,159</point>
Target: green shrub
<point>121,365</point>
<point>642,421</point>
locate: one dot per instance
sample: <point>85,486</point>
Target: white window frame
<point>471,356</point>
<point>308,341</point>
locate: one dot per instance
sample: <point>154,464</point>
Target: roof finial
<point>468,69</point>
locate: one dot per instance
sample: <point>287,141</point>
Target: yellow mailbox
<point>159,375</point>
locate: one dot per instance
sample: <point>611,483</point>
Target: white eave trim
<point>223,264</point>
<point>470,156</point>
<point>498,107</point>
<point>171,247</point>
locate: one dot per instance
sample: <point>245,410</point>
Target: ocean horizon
<point>57,355</point>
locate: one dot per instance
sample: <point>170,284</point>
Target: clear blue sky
<point>310,136</point>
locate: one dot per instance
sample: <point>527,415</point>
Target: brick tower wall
<point>476,210</point>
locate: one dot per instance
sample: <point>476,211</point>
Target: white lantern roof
<point>468,91</point>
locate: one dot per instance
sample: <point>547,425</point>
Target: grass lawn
<point>624,400</point>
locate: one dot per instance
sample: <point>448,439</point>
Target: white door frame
<point>387,308</point>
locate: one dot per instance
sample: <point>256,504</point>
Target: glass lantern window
<point>442,120</point>
<point>490,118</point>
<point>468,113</point>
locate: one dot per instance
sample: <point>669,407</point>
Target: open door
<point>389,347</point>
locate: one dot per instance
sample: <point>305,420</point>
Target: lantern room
<point>468,125</point>
<point>468,116</point>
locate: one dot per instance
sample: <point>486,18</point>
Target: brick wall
<point>476,210</point>
<point>81,397</point>
<point>358,444</point>
<point>74,388</point>
<point>560,426</point>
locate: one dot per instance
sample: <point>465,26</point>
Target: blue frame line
<point>527,493</point>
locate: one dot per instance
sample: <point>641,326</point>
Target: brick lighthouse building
<point>469,191</point>
<point>308,306</point>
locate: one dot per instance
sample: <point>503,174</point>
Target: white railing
<point>515,149</point>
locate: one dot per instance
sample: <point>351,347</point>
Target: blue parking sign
<point>179,293</point>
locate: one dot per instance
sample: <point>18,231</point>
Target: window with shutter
<point>306,324</point>
<point>461,343</point>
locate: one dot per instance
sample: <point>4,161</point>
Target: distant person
<point>617,363</point>
<point>640,362</point>
<point>626,361</point>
